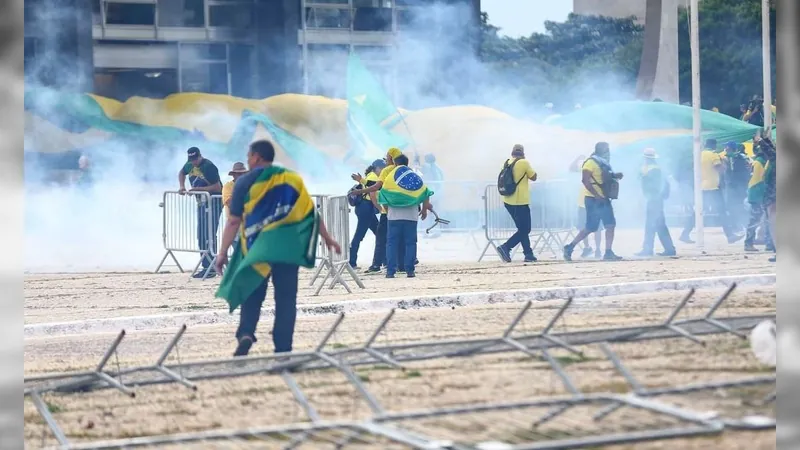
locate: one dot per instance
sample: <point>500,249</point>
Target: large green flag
<point>279,225</point>
<point>368,106</point>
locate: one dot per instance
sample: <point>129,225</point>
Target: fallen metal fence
<point>554,206</point>
<point>188,226</point>
<point>386,429</point>
<point>335,212</point>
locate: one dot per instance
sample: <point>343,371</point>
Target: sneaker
<point>199,274</point>
<point>668,253</point>
<point>568,249</point>
<point>586,252</point>
<point>530,259</point>
<point>416,262</point>
<point>734,238</point>
<point>750,248</point>
<point>244,346</point>
<point>372,269</point>
<point>611,256</point>
<point>504,254</point>
<point>686,239</point>
<point>411,275</point>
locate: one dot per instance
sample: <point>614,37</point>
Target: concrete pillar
<point>277,68</point>
<point>658,71</point>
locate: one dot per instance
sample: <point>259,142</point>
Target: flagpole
<point>694,31</point>
<point>767,65</point>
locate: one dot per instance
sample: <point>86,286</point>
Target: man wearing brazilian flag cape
<point>276,223</point>
<point>402,192</point>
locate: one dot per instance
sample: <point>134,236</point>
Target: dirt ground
<point>266,401</point>
<point>79,296</point>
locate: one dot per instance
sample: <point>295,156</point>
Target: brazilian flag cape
<point>403,187</point>
<point>279,225</point>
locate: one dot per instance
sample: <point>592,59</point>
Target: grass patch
<point>337,345</point>
<point>364,377</point>
<point>413,374</point>
<point>54,408</point>
<point>570,359</point>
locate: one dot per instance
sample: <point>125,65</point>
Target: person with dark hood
<point>203,177</point>
<point>655,188</point>
<point>737,176</point>
<point>366,209</point>
<point>601,186</point>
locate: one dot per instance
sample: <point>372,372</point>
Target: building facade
<point>246,48</point>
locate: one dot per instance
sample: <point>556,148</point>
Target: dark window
<point>208,78</point>
<point>327,18</point>
<point>412,2</point>
<point>130,14</point>
<point>406,18</point>
<point>186,13</point>
<point>212,52</point>
<point>372,19</point>
<point>230,16</point>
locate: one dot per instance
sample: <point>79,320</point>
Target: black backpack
<point>506,185</point>
<point>354,199</point>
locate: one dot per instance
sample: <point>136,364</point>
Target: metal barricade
<point>335,212</point>
<point>553,208</point>
<point>455,201</point>
<point>187,226</point>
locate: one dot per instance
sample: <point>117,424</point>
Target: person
<point>203,177</point>
<point>737,176</point>
<point>366,208</point>
<point>771,187</point>
<point>379,256</point>
<point>756,189</point>
<point>85,174</point>
<point>403,193</point>
<point>575,166</point>
<point>269,204</point>
<point>655,188</point>
<point>755,111</point>
<point>600,184</point>
<point>236,171</point>
<point>518,205</point>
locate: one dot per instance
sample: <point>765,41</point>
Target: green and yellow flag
<point>403,188</point>
<point>279,225</point>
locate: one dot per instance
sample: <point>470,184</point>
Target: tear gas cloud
<point>116,223</point>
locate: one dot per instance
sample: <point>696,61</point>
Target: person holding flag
<point>402,192</point>
<point>275,225</point>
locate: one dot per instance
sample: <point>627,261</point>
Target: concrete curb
<point>173,321</point>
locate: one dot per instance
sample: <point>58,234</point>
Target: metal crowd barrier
<point>335,212</point>
<point>454,201</point>
<point>186,227</point>
<point>554,206</point>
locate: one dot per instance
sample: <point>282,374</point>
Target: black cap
<point>193,153</point>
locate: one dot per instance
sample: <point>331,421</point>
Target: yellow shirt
<point>597,177</point>
<point>522,171</point>
<point>709,161</point>
<point>227,193</point>
<point>382,177</point>
<point>370,177</point>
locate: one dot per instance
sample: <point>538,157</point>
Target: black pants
<point>284,280</point>
<point>205,242</point>
<point>758,218</point>
<point>521,215</point>
<point>379,255</point>
<point>713,203</point>
<point>656,224</point>
<point>367,221</point>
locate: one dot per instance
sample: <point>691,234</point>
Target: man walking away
<point>277,225</point>
<point>755,197</point>
<point>712,169</point>
<point>402,193</point>
<point>517,198</point>
<point>379,256</point>
<point>655,188</point>
<point>601,185</point>
<point>366,208</point>
<point>203,177</point>
<point>737,175</point>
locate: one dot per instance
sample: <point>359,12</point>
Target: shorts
<point>581,222</point>
<point>597,212</point>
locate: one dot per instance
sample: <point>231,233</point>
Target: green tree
<point>730,53</point>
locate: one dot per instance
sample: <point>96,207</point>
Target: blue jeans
<point>401,232</point>
<point>367,221</point>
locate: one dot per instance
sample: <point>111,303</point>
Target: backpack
<point>354,199</point>
<point>609,184</point>
<point>505,181</point>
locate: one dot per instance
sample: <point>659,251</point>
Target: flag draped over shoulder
<point>403,188</point>
<point>279,225</point>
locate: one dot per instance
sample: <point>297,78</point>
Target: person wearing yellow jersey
<point>581,219</point>
<point>655,188</point>
<point>365,210</point>
<point>712,167</point>
<point>756,189</point>
<point>379,256</point>
<point>600,184</point>
<point>237,171</point>
<point>518,205</point>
